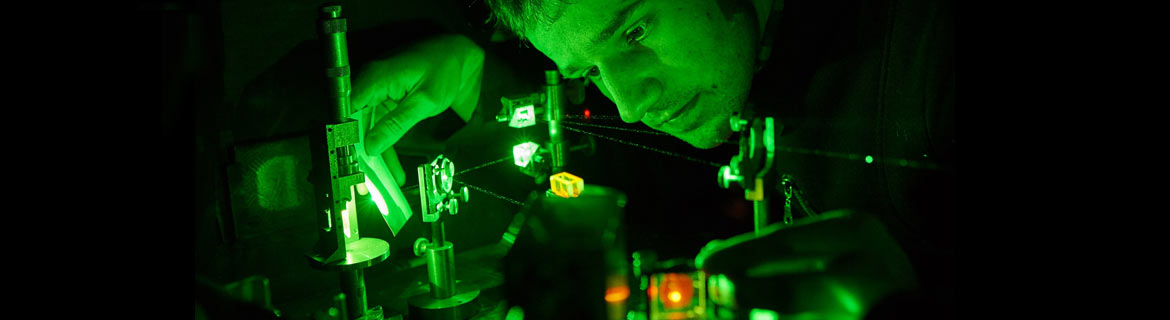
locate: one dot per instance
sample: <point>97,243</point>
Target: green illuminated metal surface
<point>764,314</point>
<point>553,100</point>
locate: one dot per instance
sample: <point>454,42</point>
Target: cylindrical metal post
<point>337,73</point>
<point>440,262</point>
<point>353,284</point>
<point>438,233</point>
<point>441,270</point>
<point>333,29</point>
<point>553,114</point>
<point>760,207</point>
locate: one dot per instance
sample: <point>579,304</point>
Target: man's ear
<point>502,34</point>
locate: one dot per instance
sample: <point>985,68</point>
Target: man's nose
<point>632,88</point>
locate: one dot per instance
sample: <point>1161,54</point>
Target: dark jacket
<point>856,78</point>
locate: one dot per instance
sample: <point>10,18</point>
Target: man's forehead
<point>571,34</point>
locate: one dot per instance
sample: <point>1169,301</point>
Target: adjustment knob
<point>738,124</point>
<point>727,177</point>
<point>453,206</point>
<point>461,195</point>
<point>420,246</point>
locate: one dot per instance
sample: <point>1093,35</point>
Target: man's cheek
<point>605,92</point>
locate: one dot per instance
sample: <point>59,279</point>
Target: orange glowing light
<point>675,290</point>
<point>586,113</point>
<point>617,294</point>
<point>566,185</point>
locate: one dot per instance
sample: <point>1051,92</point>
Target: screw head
<point>726,177</point>
<point>738,124</point>
<point>453,206</point>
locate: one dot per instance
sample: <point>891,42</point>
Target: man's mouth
<point>676,121</point>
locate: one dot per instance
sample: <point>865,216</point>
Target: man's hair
<point>518,15</point>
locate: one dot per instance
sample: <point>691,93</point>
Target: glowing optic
<point>522,153</point>
<point>361,188</point>
<point>868,159</point>
<point>566,185</point>
<point>377,197</point>
<point>676,289</point>
<point>523,117</point>
<point>586,113</point>
<point>617,294</point>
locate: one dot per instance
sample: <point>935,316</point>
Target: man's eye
<point>593,72</point>
<point>636,34</point>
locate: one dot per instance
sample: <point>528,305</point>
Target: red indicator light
<point>586,113</point>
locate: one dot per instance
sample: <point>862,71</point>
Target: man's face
<point>680,66</point>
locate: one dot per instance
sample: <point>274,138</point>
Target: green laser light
<point>522,153</point>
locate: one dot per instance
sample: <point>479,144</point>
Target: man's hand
<point>422,81</point>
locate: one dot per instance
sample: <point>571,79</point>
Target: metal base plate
<point>458,306</point>
<point>359,254</point>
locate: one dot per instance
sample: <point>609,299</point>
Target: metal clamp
<point>751,168</point>
<point>787,200</point>
<point>437,180</point>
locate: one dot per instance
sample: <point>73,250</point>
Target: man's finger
<point>390,157</point>
<point>395,124</point>
<point>361,93</point>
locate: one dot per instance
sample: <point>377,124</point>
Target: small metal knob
<point>453,206</point>
<point>730,173</point>
<point>726,177</point>
<point>420,246</point>
<point>462,194</point>
<point>738,124</point>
